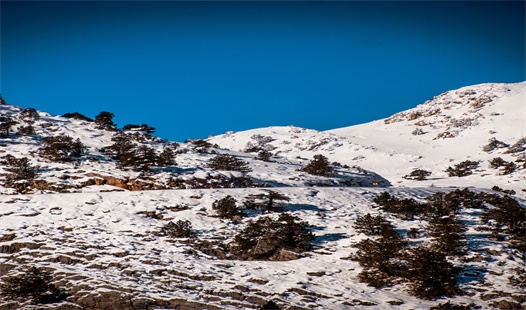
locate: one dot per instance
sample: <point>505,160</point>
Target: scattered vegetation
<point>228,163</point>
<point>179,229</point>
<point>264,155</point>
<point>77,115</point>
<point>372,225</point>
<point>227,208</point>
<point>201,146</point>
<point>104,120</point>
<point>319,166</point>
<point>29,115</point>
<point>429,273</point>
<point>267,237</point>
<point>267,202</point>
<point>418,175</point>
<point>6,123</point>
<point>61,148</point>
<point>463,169</point>
<point>493,145</point>
<point>19,168</point>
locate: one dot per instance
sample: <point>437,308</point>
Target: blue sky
<point>191,69</point>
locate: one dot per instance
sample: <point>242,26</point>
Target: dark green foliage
<point>372,225</point>
<point>201,146</point>
<point>430,274</point>
<point>104,120</point>
<point>166,158</point>
<point>179,229</point>
<point>141,157</point>
<point>29,115</point>
<point>266,237</point>
<point>505,191</point>
<point>35,284</point>
<point>508,214</point>
<point>442,204</point>
<point>497,162</point>
<point>77,115</point>
<point>61,148</point>
<point>381,254</point>
<point>226,207</point>
<point>270,305</point>
<point>319,166</point>
<point>268,202</point>
<point>493,145</point>
<point>142,128</point>
<point>137,156</point>
<point>519,146</point>
<point>406,208</point>
<point>26,130</point>
<point>2,101</point>
<point>418,175</point>
<point>6,123</point>
<point>19,168</point>
<point>264,155</point>
<point>228,163</point>
<point>462,169</point>
<point>449,235</point>
<point>509,168</point>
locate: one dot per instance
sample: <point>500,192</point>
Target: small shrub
<point>104,121</point>
<point>519,146</point>
<point>268,202</point>
<point>448,233</point>
<point>228,163</point>
<point>141,128</point>
<point>61,148</point>
<point>418,132</point>
<point>179,229</point>
<point>35,285</point>
<point>508,214</point>
<point>226,207</point>
<point>19,168</point>
<point>381,254</point>
<point>26,130</point>
<point>166,158</point>
<point>264,155</point>
<point>6,123</point>
<point>497,162</point>
<point>418,175</point>
<point>493,145</point>
<point>506,191</point>
<point>201,146</point>
<point>266,237</point>
<point>406,208</point>
<point>509,168</point>
<point>372,225</point>
<point>462,169</point>
<point>29,115</point>
<point>430,274</point>
<point>77,115</point>
<point>319,166</point>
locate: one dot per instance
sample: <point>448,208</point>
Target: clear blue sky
<point>191,69</point>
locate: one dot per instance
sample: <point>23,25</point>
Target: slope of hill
<point>451,128</point>
<point>124,220</point>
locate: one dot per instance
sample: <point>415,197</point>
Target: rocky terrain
<point>95,217</point>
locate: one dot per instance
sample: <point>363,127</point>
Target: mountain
<point>450,128</point>
<point>92,217</point>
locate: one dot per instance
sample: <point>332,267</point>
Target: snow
<point>100,239</point>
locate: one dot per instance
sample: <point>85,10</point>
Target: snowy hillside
<point>440,133</point>
<point>95,217</point>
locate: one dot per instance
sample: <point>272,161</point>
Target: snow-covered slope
<point>440,133</point>
<point>100,227</point>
